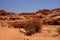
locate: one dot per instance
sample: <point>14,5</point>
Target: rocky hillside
<point>44,16</point>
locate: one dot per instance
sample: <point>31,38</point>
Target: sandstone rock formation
<point>45,16</point>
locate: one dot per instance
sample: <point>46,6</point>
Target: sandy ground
<point>48,33</point>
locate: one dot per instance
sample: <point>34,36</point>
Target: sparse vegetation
<point>9,25</point>
<point>58,30</point>
<point>48,30</point>
<point>31,28</point>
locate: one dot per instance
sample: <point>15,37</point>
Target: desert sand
<point>48,33</point>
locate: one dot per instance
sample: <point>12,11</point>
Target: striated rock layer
<point>44,16</point>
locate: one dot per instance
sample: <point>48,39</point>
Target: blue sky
<point>28,5</point>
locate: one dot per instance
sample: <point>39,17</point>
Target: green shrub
<point>58,30</point>
<point>32,28</point>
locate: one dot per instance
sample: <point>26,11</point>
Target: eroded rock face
<point>53,17</point>
<point>46,16</point>
<point>2,12</point>
<point>44,11</point>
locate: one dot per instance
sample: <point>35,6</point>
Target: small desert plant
<point>10,25</point>
<point>48,30</point>
<point>58,30</point>
<point>31,28</point>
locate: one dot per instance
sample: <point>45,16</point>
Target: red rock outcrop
<point>46,16</point>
